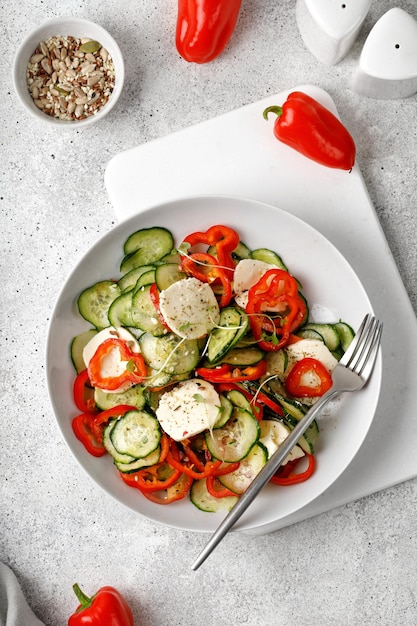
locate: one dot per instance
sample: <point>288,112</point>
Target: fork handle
<point>264,476</point>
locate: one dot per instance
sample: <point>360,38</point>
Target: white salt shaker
<point>329,27</point>
<point>388,62</point>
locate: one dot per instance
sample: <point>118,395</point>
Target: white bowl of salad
<point>198,333</point>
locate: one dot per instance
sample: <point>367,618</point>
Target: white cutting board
<point>237,154</point>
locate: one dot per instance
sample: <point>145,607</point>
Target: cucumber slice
<point>169,353</point>
<point>146,278</point>
<point>238,399</point>
<point>120,311</point>
<point>268,256</point>
<point>204,501</point>
<point>233,324</point>
<point>236,438</point>
<point>137,434</point>
<point>239,480</point>
<point>167,274</point>
<point>108,444</point>
<point>346,334</point>
<point>146,246</point>
<point>225,411</point>
<point>137,464</point>
<point>241,251</point>
<point>129,280</point>
<point>132,397</point>
<point>328,332</point>
<point>309,333</point>
<point>77,346</point>
<point>277,363</point>
<point>243,357</point>
<point>144,315</point>
<point>94,302</point>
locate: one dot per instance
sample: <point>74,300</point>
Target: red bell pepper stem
<point>308,127</point>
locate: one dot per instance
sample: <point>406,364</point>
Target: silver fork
<point>350,374</point>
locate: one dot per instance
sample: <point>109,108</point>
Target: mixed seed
<point>70,78</point>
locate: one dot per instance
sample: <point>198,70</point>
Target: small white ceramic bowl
<point>75,27</point>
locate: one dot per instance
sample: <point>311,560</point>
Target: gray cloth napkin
<point>14,610</point>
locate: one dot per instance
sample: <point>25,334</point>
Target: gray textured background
<point>353,565</point>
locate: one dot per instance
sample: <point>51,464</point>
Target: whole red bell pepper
<point>311,129</point>
<point>105,608</point>
<point>204,28</point>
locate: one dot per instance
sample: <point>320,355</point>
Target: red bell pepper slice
<point>175,492</point>
<point>107,607</point>
<point>275,293</point>
<point>206,268</point>
<point>184,464</point>
<point>216,489</point>
<point>134,373</point>
<point>225,240</point>
<point>256,406</point>
<point>285,477</point>
<point>229,373</point>
<point>154,296</point>
<point>154,478</point>
<point>322,380</point>
<point>86,405</point>
<point>102,418</point>
<point>83,427</point>
<point>311,129</point>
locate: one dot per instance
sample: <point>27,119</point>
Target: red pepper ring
<point>311,129</point>
<point>174,459</point>
<point>195,264</point>
<point>155,477</point>
<point>228,373</point>
<point>85,405</point>
<point>294,382</point>
<point>154,296</point>
<point>216,489</point>
<point>294,479</point>
<point>83,427</point>
<point>134,373</point>
<point>101,419</point>
<point>175,492</point>
<point>224,238</point>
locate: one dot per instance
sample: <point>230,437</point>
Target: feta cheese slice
<point>190,308</point>
<point>189,408</point>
